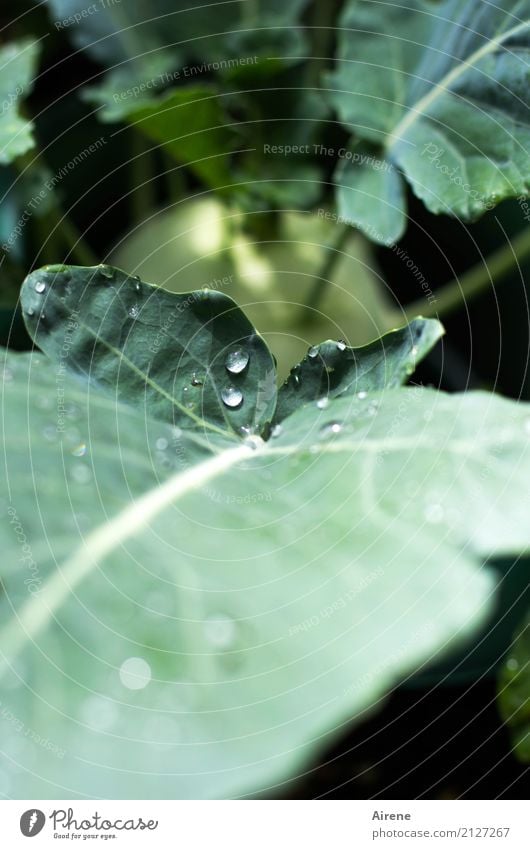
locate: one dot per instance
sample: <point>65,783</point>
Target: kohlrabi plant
<point>237,509</point>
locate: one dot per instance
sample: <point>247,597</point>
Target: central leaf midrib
<point>418,109</point>
<point>130,521</point>
<point>154,385</point>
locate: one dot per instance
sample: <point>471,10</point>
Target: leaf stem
<point>334,253</point>
<point>473,282</point>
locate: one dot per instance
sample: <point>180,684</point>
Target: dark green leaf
<point>193,359</point>
<point>18,65</point>
<point>442,89</point>
<point>189,124</point>
<point>333,368</point>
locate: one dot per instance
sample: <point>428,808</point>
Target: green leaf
<point>193,359</point>
<point>149,44</point>
<point>254,597</point>
<point>18,66</point>
<point>454,118</point>
<point>190,124</point>
<point>371,196</point>
<point>514,702</point>
<point>333,368</point>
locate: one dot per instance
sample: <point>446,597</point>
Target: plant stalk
<point>473,282</point>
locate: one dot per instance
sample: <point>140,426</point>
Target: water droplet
<point>232,396</point>
<point>237,361</point>
<point>79,450</point>
<point>163,459</point>
<point>30,311</point>
<point>245,430</point>
<point>220,631</point>
<point>341,345</point>
<point>253,441</point>
<point>134,311</point>
<point>313,351</point>
<point>188,402</point>
<point>162,443</point>
<point>106,271</point>
<point>362,395</point>
<point>197,379</point>
<point>296,377</point>
<point>98,713</point>
<point>414,351</point>
<point>322,403</point>
<point>135,673</point>
<point>433,513</point>
<point>44,402</point>
<point>40,287</point>
<point>330,429</point>
<point>81,473</point>
<point>277,429</point>
<point>50,433</point>
<point>512,664</point>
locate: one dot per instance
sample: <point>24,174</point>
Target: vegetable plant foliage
<point>235,514</point>
<point>222,601</point>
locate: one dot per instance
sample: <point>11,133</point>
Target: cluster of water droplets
<point>236,363</point>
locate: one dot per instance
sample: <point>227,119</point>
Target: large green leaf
<point>193,359</point>
<point>514,691</point>
<point>334,368</point>
<point>186,618</point>
<point>442,91</point>
<point>18,64</point>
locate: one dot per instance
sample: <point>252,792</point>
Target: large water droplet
<point>362,395</point>
<point>162,443</point>
<point>40,287</point>
<point>220,631</point>
<point>232,396</point>
<point>512,664</point>
<point>313,352</point>
<point>135,673</point>
<point>323,402</point>
<point>237,361</point>
<point>341,345</point>
<point>330,429</point>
